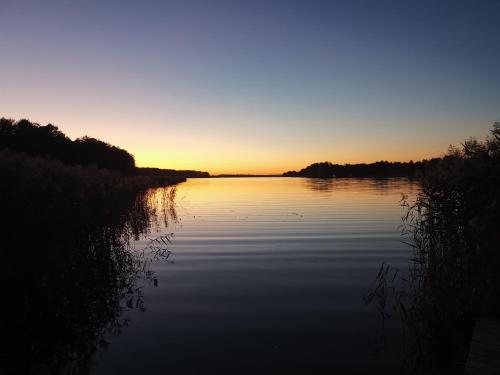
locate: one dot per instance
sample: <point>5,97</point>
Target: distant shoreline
<point>244,175</point>
<point>379,169</point>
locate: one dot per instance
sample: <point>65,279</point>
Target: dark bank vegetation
<point>160,172</point>
<point>68,267</point>
<point>453,279</point>
<point>378,169</point>
<point>78,171</point>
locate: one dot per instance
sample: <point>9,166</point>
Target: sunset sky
<point>255,86</point>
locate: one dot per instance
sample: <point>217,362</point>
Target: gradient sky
<point>255,86</point>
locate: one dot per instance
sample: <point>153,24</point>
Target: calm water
<point>267,275</point>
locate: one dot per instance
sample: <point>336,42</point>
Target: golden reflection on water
<point>235,210</point>
<point>276,197</point>
<point>232,188</point>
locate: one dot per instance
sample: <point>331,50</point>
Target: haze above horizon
<point>255,86</point>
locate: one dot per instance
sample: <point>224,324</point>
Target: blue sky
<point>255,86</point>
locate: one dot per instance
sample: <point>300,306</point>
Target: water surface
<point>267,275</point>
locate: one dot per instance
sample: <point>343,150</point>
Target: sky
<point>255,86</point>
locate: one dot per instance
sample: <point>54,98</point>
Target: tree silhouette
<point>48,141</point>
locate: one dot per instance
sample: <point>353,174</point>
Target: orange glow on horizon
<point>262,166</point>
<point>235,153</point>
<point>182,144</point>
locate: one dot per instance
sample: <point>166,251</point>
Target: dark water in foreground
<point>267,275</point>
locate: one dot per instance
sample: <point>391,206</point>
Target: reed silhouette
<point>453,228</point>
<point>69,269</point>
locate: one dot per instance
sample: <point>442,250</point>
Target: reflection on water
<point>256,275</point>
<point>67,282</point>
<point>319,184</point>
<point>267,275</point>
<point>366,185</point>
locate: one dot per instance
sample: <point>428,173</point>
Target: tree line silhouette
<point>170,173</point>
<point>48,141</point>
<point>377,169</point>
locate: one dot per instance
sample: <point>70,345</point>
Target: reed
<point>453,228</point>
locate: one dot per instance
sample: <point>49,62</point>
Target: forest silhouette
<point>49,142</point>
<point>377,169</point>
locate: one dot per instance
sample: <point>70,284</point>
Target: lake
<point>267,275</point>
